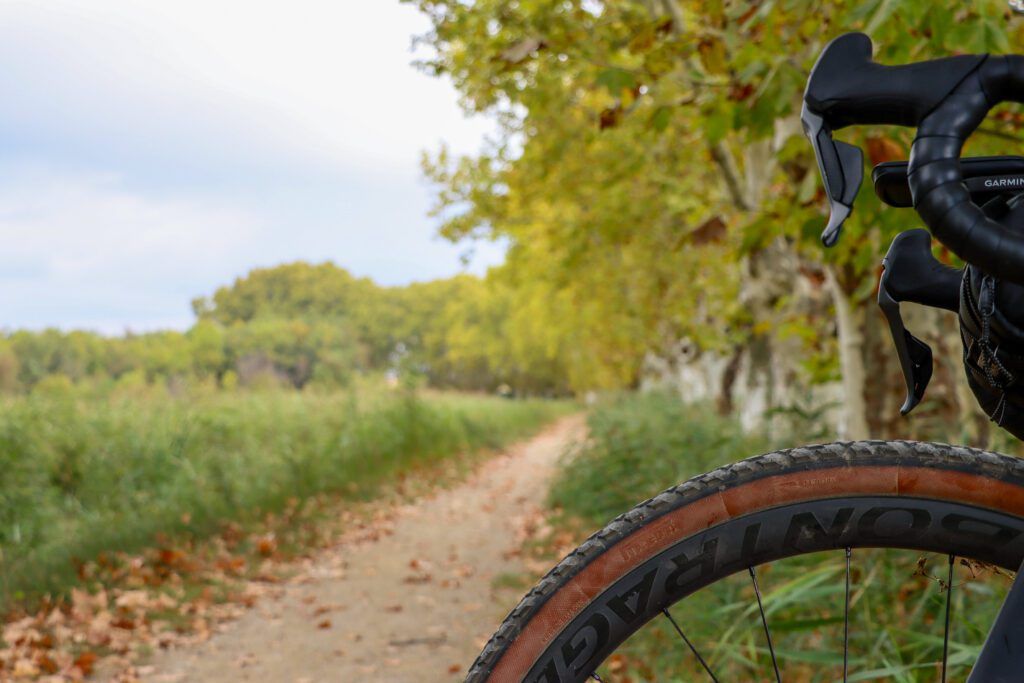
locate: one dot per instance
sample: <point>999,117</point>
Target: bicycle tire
<point>897,494</point>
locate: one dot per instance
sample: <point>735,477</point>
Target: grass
<point>641,445</point>
<point>83,473</point>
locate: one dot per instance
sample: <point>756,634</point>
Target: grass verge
<point>84,475</point>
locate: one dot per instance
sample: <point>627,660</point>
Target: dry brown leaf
<point>85,662</point>
<point>266,544</point>
<point>47,664</point>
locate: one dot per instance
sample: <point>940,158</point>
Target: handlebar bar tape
<point>936,183</point>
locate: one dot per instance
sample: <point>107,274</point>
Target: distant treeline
<point>301,324</point>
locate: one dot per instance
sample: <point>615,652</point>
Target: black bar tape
<point>936,184</point>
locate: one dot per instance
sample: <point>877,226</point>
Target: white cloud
<point>327,79</point>
<point>87,250</point>
<point>73,241</point>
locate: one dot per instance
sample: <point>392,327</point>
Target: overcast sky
<point>152,150</point>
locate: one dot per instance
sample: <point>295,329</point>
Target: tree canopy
<point>653,181</point>
<point>302,323</point>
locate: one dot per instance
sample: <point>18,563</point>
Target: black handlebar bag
<point>991,318</point>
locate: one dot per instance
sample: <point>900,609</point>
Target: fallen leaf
<point>266,544</point>
<point>47,664</point>
<point>86,661</point>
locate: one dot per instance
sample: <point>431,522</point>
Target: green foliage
<point>299,325</point>
<point>318,322</point>
<point>86,472</point>
<point>640,445</point>
<point>649,148</point>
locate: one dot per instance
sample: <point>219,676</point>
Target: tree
<point>206,342</point>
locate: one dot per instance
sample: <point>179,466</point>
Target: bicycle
<point>962,503</point>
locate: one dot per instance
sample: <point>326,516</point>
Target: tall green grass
<point>83,472</point>
<point>642,444</point>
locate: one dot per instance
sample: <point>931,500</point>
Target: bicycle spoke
<point>690,645</point>
<point>764,621</point>
<point>846,620</point>
<point>945,633</point>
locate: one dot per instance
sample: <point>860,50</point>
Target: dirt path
<point>415,604</point>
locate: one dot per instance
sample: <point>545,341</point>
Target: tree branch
<point>653,7</point>
<point>678,21</point>
<point>731,174</point>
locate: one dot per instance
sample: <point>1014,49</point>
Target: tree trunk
<point>851,359</point>
<point>725,403</point>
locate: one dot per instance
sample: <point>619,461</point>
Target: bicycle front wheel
<point>918,497</point>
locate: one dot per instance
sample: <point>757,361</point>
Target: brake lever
<point>911,273</point>
<point>842,170</point>
<point>914,355</point>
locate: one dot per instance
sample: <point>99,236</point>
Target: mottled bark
<point>851,358</point>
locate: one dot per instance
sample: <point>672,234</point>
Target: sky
<point>151,151</point>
